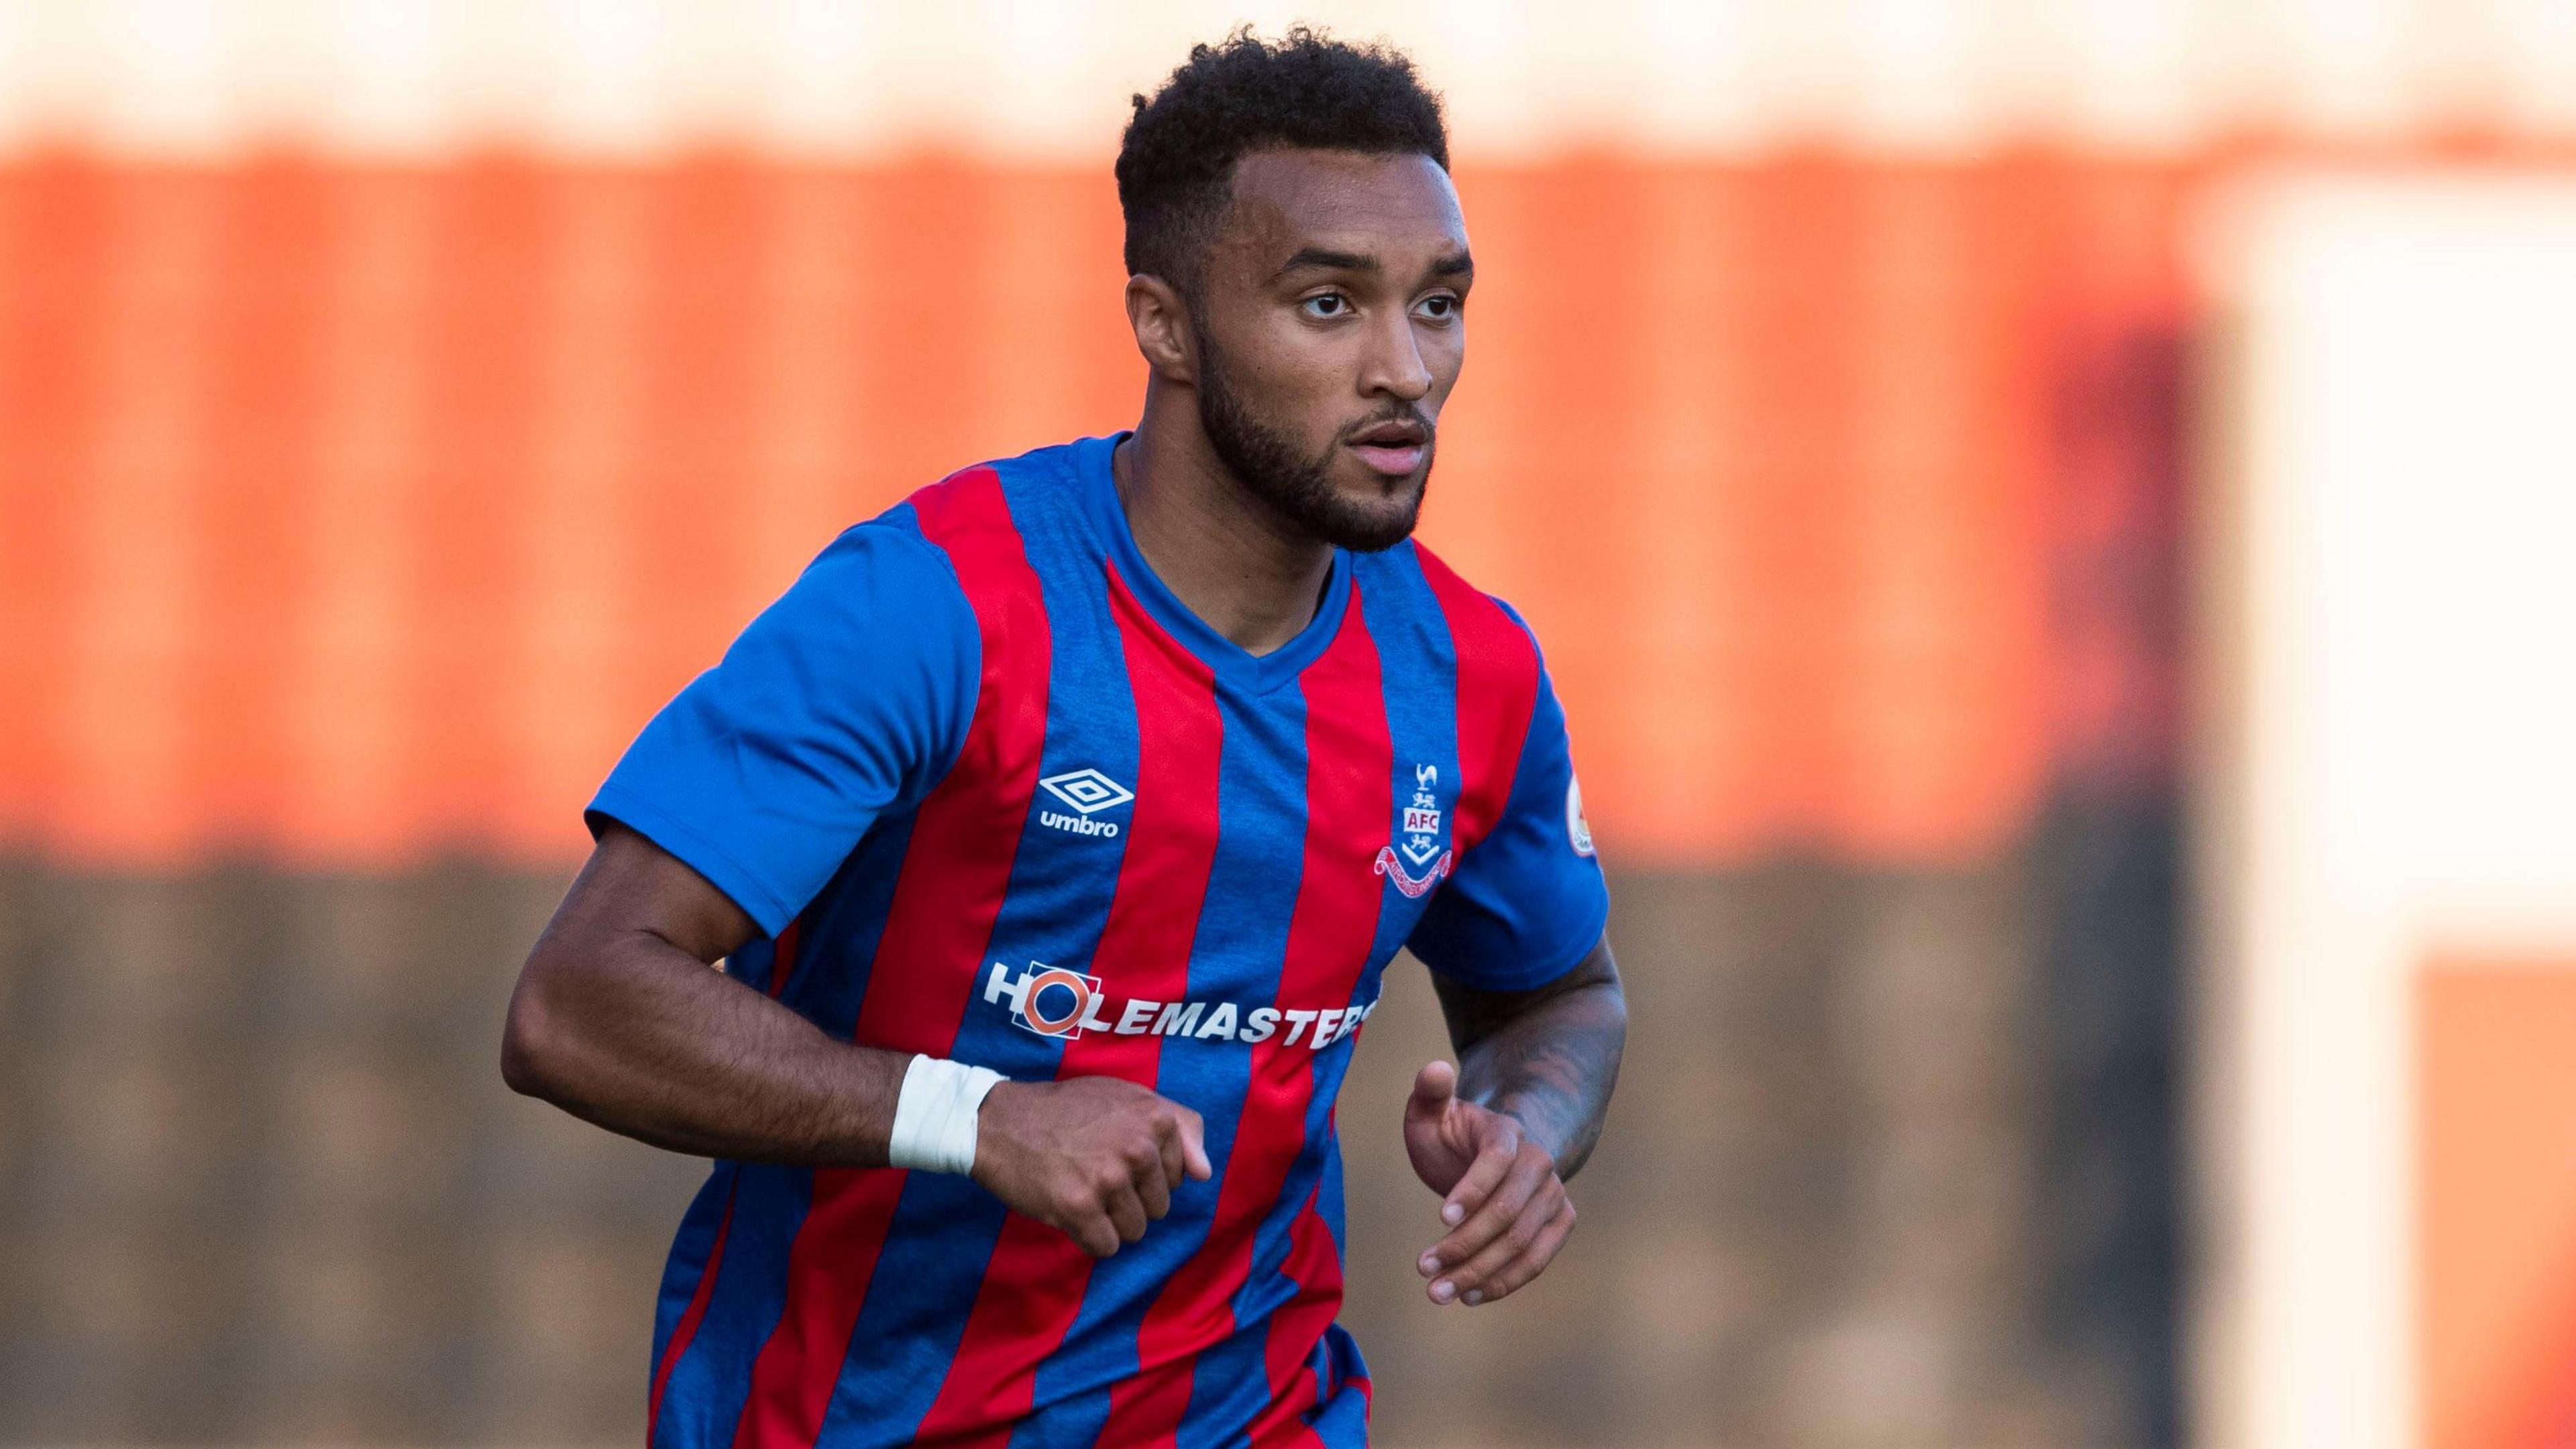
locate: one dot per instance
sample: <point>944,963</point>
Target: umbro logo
<point>1089,792</point>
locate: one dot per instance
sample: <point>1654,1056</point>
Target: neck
<point>1236,564</point>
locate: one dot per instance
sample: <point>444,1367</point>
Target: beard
<point>1297,488</point>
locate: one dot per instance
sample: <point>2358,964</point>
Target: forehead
<point>1388,206</point>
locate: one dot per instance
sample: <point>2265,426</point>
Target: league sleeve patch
<point>1578,831</point>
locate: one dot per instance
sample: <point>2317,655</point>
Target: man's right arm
<point>618,1020</point>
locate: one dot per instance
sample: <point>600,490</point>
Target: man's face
<point>1331,327</point>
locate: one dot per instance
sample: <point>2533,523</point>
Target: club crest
<point>1417,839</point>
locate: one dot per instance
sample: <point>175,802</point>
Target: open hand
<point>1505,1206</point>
<point>1098,1157</point>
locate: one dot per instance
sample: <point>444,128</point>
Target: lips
<point>1395,447</point>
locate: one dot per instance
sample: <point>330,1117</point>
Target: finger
<point>1433,1088</point>
<point>1476,1274</point>
<point>1126,1212</point>
<point>1153,1190</point>
<point>1094,1233</point>
<point>1528,1172</point>
<point>1176,1158</point>
<point>1532,1261</point>
<point>1484,1173</point>
<point>1194,1145</point>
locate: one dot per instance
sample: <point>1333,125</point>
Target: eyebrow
<point>1327,260</point>
<point>1456,264</point>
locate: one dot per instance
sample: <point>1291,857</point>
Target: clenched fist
<point>1095,1156</point>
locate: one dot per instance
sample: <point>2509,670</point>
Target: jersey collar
<point>1088,461</point>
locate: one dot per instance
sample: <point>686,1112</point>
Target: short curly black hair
<point>1176,162</point>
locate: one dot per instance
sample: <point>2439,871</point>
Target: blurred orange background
<point>362,511</point>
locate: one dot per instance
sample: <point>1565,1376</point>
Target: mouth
<point>1394,448</point>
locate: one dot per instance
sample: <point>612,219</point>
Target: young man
<point>1054,829</point>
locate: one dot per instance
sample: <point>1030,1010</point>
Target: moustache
<point>1406,414</point>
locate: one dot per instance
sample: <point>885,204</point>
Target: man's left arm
<point>1500,1133</point>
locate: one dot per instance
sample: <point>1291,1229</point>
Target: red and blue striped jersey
<point>993,793</point>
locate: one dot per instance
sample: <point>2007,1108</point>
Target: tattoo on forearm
<point>1548,1057</point>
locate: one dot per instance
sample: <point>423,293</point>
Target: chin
<point>1375,519</point>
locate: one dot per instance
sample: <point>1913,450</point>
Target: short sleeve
<point>843,701</point>
<point>1527,903</point>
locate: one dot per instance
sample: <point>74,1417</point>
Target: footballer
<point>1053,831</point>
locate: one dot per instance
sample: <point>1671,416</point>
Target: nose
<point>1395,367</point>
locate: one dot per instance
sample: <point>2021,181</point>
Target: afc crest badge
<point>1418,839</point>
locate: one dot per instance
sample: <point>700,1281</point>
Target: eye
<point>1326,305</point>
<point>1440,306</point>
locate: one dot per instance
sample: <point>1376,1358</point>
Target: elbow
<point>1614,1022</point>
<point>532,1048</point>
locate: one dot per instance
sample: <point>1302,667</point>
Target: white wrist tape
<point>934,1114</point>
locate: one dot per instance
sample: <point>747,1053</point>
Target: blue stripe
<point>703,1401</point>
<point>687,1264</point>
<point>1054,911</point>
<point>1342,1423</point>
<point>1417,674</point>
<point>1419,679</point>
<point>915,1311</point>
<point>838,942</point>
<point>1328,1203</point>
<point>1231,1386</point>
<point>1239,950</point>
<point>754,963</point>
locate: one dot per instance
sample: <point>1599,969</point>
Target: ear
<point>1162,325</point>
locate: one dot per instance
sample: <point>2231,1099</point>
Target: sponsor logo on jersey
<point>1053,1001</point>
<point>1089,792</point>
<point>1417,839</point>
<point>1578,831</point>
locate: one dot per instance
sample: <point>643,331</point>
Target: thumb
<point>1194,1145</point>
<point>1434,1088</point>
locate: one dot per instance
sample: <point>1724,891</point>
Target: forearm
<point>1549,1059</point>
<point>620,1020</point>
<point>639,1036</point>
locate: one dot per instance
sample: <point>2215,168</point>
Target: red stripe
<point>1034,1285</point>
<point>947,894</point>
<point>1314,1264</point>
<point>687,1328</point>
<point>782,956</point>
<point>1302,1437</point>
<point>1349,809</point>
<point>1497,692</point>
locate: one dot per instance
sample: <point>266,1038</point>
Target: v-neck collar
<point>1088,461</point>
